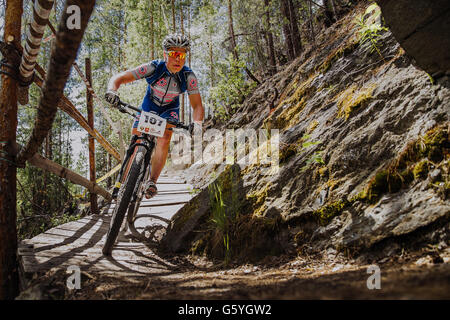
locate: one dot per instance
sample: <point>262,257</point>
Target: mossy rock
<point>342,51</point>
<point>326,213</point>
<point>353,98</point>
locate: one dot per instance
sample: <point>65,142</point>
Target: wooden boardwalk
<point>79,243</point>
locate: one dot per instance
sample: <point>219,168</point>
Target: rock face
<point>422,28</point>
<point>364,148</point>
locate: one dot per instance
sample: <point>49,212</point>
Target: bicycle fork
<point>149,146</point>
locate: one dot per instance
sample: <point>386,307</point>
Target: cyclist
<point>166,79</point>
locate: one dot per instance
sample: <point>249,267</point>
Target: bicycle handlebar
<point>122,107</point>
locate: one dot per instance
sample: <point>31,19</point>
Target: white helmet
<point>176,40</point>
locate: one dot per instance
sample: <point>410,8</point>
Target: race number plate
<point>152,124</point>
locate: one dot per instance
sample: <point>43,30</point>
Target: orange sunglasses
<point>175,54</point>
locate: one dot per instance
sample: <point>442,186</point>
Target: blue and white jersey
<point>164,87</point>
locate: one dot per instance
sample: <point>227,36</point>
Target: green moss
<point>258,198</point>
<point>288,151</point>
<point>326,213</point>
<point>337,54</point>
<point>407,176</point>
<point>323,172</point>
<point>293,103</point>
<point>421,169</point>
<point>287,117</point>
<point>312,126</point>
<point>377,186</point>
<point>353,98</point>
<point>412,163</point>
<point>437,136</point>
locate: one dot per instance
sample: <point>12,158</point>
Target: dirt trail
<point>423,274</point>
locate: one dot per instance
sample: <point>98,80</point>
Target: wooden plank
<point>165,211</point>
<point>167,180</point>
<point>174,187</point>
<point>80,242</point>
<point>73,233</point>
<point>168,197</point>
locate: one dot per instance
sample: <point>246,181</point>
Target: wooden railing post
<point>90,111</point>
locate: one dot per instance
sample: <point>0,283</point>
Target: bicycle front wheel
<point>132,182</point>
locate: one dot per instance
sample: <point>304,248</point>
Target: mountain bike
<point>135,170</point>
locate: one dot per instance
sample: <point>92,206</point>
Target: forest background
<point>236,45</point>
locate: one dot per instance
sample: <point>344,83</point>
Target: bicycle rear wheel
<point>133,181</point>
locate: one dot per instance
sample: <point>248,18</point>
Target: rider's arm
<point>196,103</point>
<point>140,72</point>
<point>194,97</point>
<point>121,78</point>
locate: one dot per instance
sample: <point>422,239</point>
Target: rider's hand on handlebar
<point>112,97</point>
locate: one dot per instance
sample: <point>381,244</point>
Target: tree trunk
<point>286,30</point>
<point>269,37</point>
<point>9,280</point>
<point>329,12</point>
<point>290,30</point>
<point>295,34</point>
<point>90,111</point>
<point>231,30</point>
<point>62,57</point>
<point>173,17</point>
<point>152,32</point>
<point>311,24</point>
<point>233,41</point>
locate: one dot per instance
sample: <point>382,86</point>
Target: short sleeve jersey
<point>164,91</point>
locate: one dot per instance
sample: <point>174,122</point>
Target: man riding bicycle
<point>166,79</point>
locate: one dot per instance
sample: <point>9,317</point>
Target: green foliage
<point>219,217</point>
<point>232,89</point>
<point>370,28</point>
<point>316,157</point>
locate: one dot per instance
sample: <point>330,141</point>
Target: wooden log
<point>41,12</point>
<point>40,162</point>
